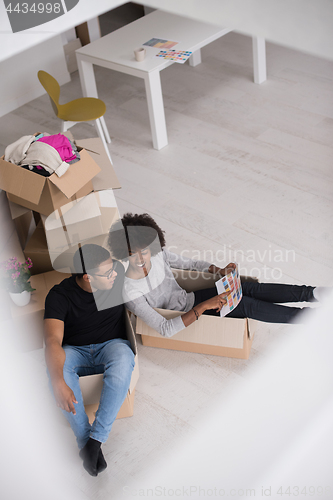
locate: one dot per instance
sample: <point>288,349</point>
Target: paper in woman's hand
<point>227,283</point>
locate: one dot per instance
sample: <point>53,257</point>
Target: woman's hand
<point>222,271</point>
<point>228,269</point>
<point>216,302</point>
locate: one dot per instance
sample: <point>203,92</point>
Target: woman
<point>149,283</point>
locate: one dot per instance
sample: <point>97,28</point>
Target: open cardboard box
<point>91,385</point>
<point>83,221</point>
<point>229,337</point>
<point>46,194</point>
<point>37,250</point>
<point>10,245</point>
<point>24,222</point>
<point>56,237</point>
<point>106,178</point>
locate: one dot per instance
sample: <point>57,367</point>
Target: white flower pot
<point>20,299</point>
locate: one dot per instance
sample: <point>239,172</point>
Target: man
<point>85,334</point>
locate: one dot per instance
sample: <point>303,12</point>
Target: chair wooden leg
<point>105,130</point>
<point>101,134</point>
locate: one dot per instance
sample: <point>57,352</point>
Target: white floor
<point>247,174</point>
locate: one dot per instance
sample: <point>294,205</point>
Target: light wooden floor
<point>248,170</point>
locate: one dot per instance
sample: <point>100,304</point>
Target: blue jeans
<point>115,359</point>
<point>260,302</point>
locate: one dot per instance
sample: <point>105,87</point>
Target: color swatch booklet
<point>227,283</point>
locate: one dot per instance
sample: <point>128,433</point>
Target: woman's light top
<point>160,289</point>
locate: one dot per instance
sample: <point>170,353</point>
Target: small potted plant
<point>16,276</point>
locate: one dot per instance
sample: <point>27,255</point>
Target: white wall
<point>19,83</point>
<point>304,25</point>
<point>14,43</point>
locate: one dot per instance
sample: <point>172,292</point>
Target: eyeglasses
<point>105,275</point>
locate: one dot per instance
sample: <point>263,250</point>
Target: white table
<point>115,51</point>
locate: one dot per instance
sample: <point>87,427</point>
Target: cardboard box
<point>126,409</point>
<point>17,210</point>
<point>9,242</point>
<point>56,237</point>
<point>91,385</point>
<point>82,221</point>
<point>229,337</point>
<point>24,222</point>
<point>46,194</point>
<point>28,320</point>
<point>37,250</point>
<point>106,178</point>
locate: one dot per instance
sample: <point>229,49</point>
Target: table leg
<point>87,77</point>
<point>94,29</point>
<point>195,58</point>
<point>89,89</point>
<point>259,59</point>
<point>156,109</point>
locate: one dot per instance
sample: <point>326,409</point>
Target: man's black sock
<point>89,455</point>
<point>101,463</point>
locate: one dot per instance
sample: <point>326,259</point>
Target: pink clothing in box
<point>61,144</point>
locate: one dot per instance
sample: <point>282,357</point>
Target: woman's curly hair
<point>135,232</point>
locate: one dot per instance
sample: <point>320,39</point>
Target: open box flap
<point>132,339</point>
<point>20,182</point>
<point>107,178</point>
<point>81,210</point>
<point>135,375</point>
<point>92,145</point>
<point>251,327</point>
<point>77,176</point>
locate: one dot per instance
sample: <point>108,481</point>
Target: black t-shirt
<point>85,322</point>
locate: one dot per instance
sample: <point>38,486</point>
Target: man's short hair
<point>89,257</point>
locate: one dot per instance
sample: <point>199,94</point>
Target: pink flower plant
<point>15,275</point>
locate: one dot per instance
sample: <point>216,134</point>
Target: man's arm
<point>55,358</point>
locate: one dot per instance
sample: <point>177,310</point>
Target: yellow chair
<point>85,109</point>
